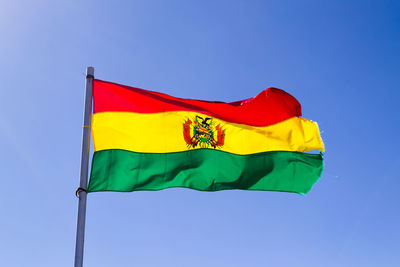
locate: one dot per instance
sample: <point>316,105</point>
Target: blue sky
<point>340,59</point>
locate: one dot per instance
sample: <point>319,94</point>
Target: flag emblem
<point>205,133</point>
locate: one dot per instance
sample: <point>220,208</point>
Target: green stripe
<point>205,170</point>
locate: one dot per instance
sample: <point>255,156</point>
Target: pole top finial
<point>90,72</point>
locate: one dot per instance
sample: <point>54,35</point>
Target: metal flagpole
<point>81,192</point>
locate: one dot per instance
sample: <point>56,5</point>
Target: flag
<point>146,140</point>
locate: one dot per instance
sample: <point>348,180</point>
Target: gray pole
<point>81,192</point>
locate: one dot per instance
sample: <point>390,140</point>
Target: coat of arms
<point>205,133</point>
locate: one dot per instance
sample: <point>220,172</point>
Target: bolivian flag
<point>145,140</point>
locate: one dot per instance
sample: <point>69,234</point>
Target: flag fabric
<point>145,140</point>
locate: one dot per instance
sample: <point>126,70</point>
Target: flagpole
<point>82,190</point>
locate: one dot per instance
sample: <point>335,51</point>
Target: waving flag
<point>145,140</point>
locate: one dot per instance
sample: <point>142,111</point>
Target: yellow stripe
<point>163,133</point>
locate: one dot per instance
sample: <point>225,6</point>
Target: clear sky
<point>340,59</point>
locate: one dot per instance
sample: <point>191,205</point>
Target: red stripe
<point>268,107</point>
